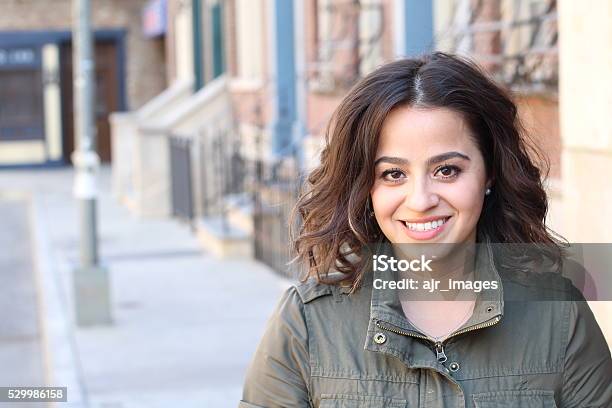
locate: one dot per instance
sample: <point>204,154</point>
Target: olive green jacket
<point>324,347</point>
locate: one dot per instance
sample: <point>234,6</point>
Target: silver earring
<point>488,191</point>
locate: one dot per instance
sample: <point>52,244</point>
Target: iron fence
<point>181,181</point>
<point>274,198</point>
<point>224,173</point>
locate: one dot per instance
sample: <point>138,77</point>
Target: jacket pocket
<point>515,399</point>
<point>359,401</point>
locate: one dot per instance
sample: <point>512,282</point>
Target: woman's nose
<point>420,197</point>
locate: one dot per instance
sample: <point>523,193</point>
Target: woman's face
<point>430,178</point>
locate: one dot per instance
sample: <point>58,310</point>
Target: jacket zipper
<point>438,345</point>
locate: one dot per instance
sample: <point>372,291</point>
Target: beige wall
<point>585,88</point>
<point>586,104</point>
<point>17,152</point>
<point>250,83</point>
<point>170,61</point>
<point>250,35</point>
<point>183,41</point>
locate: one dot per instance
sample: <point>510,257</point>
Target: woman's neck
<point>449,262</point>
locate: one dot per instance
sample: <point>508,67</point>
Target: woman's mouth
<point>424,230</point>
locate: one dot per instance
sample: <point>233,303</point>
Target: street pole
<point>91,288</point>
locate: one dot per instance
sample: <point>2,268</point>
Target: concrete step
<point>240,212</point>
<point>234,236</point>
<point>223,239</point>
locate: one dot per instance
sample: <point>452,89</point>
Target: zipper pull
<point>440,353</point>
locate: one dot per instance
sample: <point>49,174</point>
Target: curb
<point>60,354</point>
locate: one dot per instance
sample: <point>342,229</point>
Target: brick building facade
<point>130,70</point>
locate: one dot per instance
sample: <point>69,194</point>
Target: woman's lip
<point>424,235</point>
<point>428,219</point>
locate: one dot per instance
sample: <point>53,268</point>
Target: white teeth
<point>425,226</point>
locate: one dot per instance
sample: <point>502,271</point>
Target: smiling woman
<point>430,177</point>
<point>435,154</point>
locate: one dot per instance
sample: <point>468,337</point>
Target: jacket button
<point>454,366</point>
<point>379,338</point>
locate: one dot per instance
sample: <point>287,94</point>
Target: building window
<point>21,105</point>
<point>218,53</point>
<point>515,41</point>
<point>348,41</point>
<point>209,40</point>
<point>21,94</point>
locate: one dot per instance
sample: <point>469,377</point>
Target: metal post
<point>92,300</point>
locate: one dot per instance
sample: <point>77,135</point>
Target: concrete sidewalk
<point>185,324</point>
<point>20,332</point>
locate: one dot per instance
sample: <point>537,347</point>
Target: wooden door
<point>106,96</point>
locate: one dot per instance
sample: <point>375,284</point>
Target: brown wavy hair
<point>333,204</point>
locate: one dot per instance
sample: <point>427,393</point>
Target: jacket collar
<point>386,308</point>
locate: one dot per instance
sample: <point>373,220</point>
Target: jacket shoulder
<point>312,289</point>
<point>539,286</point>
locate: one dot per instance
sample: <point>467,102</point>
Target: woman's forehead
<point>411,131</point>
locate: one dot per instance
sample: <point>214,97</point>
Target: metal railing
<point>223,173</point>
<point>181,180</point>
<point>273,200</point>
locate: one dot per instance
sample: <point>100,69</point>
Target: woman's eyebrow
<point>432,160</point>
<point>392,160</point>
<point>445,156</point>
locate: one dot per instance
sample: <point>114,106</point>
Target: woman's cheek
<point>466,197</point>
<point>386,200</point>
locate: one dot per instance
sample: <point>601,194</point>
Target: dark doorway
<point>107,98</point>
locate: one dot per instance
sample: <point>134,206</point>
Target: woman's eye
<point>393,175</point>
<point>448,171</point>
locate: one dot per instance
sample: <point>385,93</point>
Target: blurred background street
<point>185,323</point>
<point>207,117</point>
